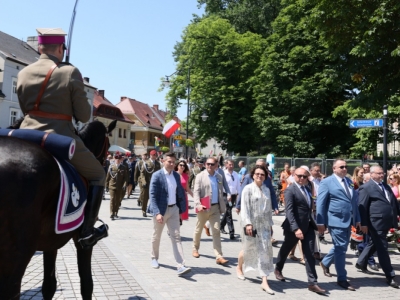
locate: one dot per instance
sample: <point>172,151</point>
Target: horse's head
<point>95,137</point>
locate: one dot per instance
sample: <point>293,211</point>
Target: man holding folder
<point>208,187</point>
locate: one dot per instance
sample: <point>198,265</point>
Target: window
<point>14,85</point>
<point>120,132</point>
<point>14,114</point>
<point>125,133</point>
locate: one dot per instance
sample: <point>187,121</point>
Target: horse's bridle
<point>104,148</point>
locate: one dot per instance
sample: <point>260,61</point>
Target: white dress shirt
<point>171,184</point>
<point>342,185</point>
<point>233,181</point>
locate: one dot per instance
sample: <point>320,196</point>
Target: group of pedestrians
<point>312,205</point>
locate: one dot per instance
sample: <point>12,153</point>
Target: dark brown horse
<point>29,187</point>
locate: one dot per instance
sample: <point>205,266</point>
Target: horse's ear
<point>112,126</point>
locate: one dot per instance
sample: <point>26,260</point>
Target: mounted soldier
<point>50,94</point>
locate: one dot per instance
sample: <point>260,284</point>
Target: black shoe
<point>112,217</point>
<point>323,241</point>
<point>116,216</point>
<point>90,235</point>
<point>392,283</point>
<point>362,269</point>
<point>347,286</point>
<point>139,203</point>
<point>232,237</point>
<point>144,214</point>
<point>223,231</point>
<point>373,267</point>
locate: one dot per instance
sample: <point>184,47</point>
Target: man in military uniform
<point>132,167</point>
<point>50,93</point>
<point>116,181</point>
<point>144,170</point>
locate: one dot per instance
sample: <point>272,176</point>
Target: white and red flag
<point>170,128</point>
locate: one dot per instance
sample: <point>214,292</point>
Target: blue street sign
<point>366,123</point>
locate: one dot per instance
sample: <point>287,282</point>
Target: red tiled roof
<point>104,108</point>
<point>142,111</point>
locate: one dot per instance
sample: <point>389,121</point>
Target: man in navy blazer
<point>167,202</point>
<point>299,224</point>
<point>379,209</point>
<point>337,208</point>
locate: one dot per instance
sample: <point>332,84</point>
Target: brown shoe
<point>207,230</point>
<point>317,256</point>
<point>346,285</point>
<point>325,269</point>
<point>195,253</point>
<point>316,289</point>
<point>278,275</point>
<point>221,261</point>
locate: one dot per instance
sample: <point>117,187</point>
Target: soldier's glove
<point>144,186</point>
<point>107,189</point>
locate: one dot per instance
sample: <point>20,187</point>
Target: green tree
<point>297,89</point>
<point>220,63</point>
<point>253,16</point>
<point>366,35</point>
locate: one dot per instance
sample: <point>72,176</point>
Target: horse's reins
<point>103,148</point>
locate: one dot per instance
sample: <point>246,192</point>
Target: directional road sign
<point>366,123</point>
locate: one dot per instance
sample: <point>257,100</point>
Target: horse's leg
<point>85,269</point>
<point>49,274</point>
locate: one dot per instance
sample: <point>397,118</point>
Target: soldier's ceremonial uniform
<point>144,171</point>
<point>117,178</point>
<point>63,97</point>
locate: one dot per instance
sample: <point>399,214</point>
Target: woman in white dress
<point>256,215</point>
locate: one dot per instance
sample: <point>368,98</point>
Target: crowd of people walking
<point>315,205</point>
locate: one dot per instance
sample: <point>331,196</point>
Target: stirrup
<point>97,234</point>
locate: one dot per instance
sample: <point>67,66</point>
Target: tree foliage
<point>367,34</point>
<point>253,16</point>
<point>220,63</point>
<point>298,88</point>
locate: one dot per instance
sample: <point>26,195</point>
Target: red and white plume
<point>170,128</point>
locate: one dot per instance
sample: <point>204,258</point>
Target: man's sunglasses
<point>302,176</point>
<point>343,167</point>
<point>210,164</point>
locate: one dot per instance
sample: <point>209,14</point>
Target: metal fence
<point>326,164</point>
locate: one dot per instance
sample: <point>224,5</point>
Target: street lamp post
<point>385,125</point>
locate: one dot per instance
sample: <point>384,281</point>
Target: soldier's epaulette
<point>66,63</point>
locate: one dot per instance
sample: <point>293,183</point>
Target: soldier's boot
<point>90,235</point>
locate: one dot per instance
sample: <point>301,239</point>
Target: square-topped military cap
<point>51,36</point>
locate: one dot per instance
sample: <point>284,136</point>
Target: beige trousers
<point>171,219</point>
<point>213,216</point>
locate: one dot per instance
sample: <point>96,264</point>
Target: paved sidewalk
<point>121,267</point>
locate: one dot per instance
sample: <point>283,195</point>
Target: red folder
<point>205,202</point>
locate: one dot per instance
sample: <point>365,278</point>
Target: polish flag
<point>170,128</point>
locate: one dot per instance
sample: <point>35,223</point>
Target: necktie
<point>303,189</point>
<point>346,188</point>
<point>383,190</point>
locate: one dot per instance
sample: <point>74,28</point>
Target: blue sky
<point>123,46</point>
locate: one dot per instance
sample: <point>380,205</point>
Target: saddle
<point>73,187</point>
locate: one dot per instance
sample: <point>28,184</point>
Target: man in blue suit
<point>167,201</point>
<point>337,208</point>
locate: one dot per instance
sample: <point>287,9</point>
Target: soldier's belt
<point>43,114</point>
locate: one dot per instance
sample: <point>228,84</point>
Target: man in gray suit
<point>337,208</point>
<point>167,202</point>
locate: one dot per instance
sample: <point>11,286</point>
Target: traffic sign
<point>178,149</point>
<point>366,123</point>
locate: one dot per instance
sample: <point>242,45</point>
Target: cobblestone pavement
<point>121,267</point>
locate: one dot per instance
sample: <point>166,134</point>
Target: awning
<point>115,148</point>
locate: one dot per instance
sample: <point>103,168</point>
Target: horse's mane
<point>91,131</point>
